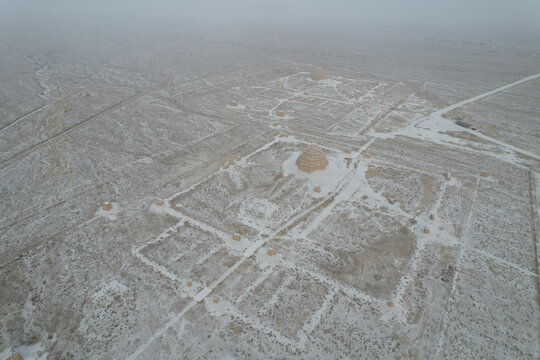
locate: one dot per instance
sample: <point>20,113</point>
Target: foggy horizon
<point>461,15</point>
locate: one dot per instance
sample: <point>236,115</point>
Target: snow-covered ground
<point>158,212</point>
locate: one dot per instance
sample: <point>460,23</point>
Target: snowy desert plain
<point>151,206</point>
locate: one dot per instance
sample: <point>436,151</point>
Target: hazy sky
<point>481,14</point>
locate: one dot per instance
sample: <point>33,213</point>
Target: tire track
<point>67,131</point>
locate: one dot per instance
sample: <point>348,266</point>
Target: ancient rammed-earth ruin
<point>166,196</point>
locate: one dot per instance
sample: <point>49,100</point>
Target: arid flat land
<point>151,207</point>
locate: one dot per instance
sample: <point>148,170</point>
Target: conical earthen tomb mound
<point>312,159</point>
<point>319,74</point>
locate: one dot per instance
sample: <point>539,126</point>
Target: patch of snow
<point>236,177</point>
<point>264,260</point>
<point>259,213</point>
<point>202,294</point>
<point>106,294</point>
<point>327,179</point>
<point>109,214</point>
<point>217,309</point>
<point>237,246</point>
<point>254,247</point>
<point>395,312</point>
<point>237,107</point>
<point>163,209</point>
<point>285,117</point>
<point>31,352</point>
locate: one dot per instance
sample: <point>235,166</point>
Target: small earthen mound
<point>189,283</point>
<point>484,174</point>
<point>317,189</point>
<point>280,114</point>
<point>390,304</point>
<point>283,135</point>
<point>15,356</point>
<point>319,74</point>
<point>431,217</point>
<point>236,237</point>
<point>347,151</point>
<point>426,231</point>
<point>216,299</point>
<point>276,124</point>
<point>367,156</point>
<point>271,252</point>
<point>226,166</point>
<point>312,159</point>
<point>106,206</point>
<point>159,202</point>
<point>238,158</point>
<point>446,176</point>
<point>233,103</point>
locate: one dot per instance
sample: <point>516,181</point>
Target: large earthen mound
<point>312,159</point>
<point>319,74</point>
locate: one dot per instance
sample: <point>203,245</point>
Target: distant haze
<point>487,15</point>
